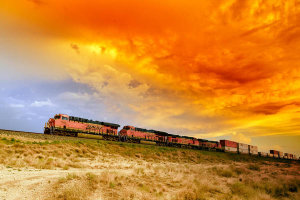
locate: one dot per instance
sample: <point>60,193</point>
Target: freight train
<point>62,124</point>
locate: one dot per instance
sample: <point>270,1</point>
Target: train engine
<point>135,134</point>
<point>66,125</point>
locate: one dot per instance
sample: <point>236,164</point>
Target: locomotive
<point>62,124</point>
<point>66,125</point>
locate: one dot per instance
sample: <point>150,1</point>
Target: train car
<point>195,142</point>
<point>289,156</point>
<point>174,140</point>
<point>209,145</point>
<point>242,148</point>
<point>161,137</point>
<point>62,124</point>
<point>229,146</point>
<point>262,154</point>
<point>131,133</point>
<point>186,140</point>
<point>253,150</point>
<point>275,153</point>
<point>294,157</point>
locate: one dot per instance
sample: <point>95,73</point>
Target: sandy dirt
<point>30,183</point>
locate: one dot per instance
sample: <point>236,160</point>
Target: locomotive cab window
<point>57,117</point>
<point>64,118</point>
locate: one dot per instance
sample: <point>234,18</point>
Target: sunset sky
<point>211,69</point>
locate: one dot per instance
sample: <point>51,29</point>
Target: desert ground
<point>54,167</point>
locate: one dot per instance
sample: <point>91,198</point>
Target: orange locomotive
<point>132,133</point>
<point>66,125</point>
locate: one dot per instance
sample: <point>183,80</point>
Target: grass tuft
<point>254,167</point>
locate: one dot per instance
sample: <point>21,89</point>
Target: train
<point>65,125</point>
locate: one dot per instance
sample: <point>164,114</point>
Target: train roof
<point>162,133</point>
<point>204,140</point>
<point>188,137</point>
<point>141,129</point>
<point>175,135</point>
<point>93,122</point>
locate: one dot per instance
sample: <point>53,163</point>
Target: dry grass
<point>177,182</point>
<point>113,170</point>
<point>17,154</point>
<point>73,187</point>
<point>86,148</point>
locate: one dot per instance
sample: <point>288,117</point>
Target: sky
<point>209,69</point>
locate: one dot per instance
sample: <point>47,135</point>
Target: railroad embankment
<point>37,166</point>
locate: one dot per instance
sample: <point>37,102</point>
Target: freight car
<point>262,154</point>
<point>65,125</point>
<point>253,150</point>
<point>229,146</point>
<point>243,148</point>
